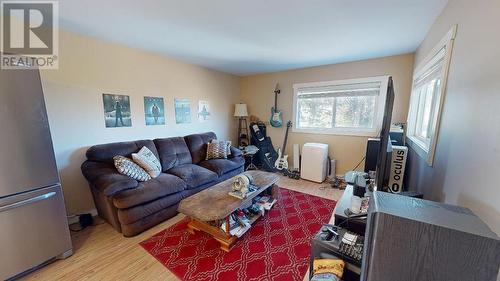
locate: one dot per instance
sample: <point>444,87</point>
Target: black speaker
<point>372,147</point>
<point>397,138</point>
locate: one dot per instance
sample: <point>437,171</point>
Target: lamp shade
<point>240,110</point>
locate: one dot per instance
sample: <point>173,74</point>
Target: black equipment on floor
<point>266,156</point>
<point>372,147</point>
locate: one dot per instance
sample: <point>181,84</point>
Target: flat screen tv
<point>385,150</point>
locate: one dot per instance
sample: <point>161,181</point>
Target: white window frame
<point>427,149</point>
<point>379,107</point>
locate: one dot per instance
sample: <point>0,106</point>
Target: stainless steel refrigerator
<point>33,224</point>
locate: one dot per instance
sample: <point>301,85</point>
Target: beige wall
<point>467,159</point>
<point>89,67</point>
<point>257,92</point>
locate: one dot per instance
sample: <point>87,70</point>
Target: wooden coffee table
<point>210,208</point>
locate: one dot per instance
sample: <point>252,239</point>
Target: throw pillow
<point>148,161</point>
<point>224,143</point>
<point>127,167</point>
<point>216,151</point>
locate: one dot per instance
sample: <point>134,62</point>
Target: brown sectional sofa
<point>131,206</point>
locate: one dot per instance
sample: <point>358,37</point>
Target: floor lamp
<point>240,111</point>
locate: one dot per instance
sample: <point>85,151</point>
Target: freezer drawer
<point>33,230</point>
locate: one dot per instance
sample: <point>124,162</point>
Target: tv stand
<point>324,249</point>
<point>341,219</point>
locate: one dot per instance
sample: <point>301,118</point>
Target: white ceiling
<point>253,36</point>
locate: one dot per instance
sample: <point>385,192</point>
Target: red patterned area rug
<point>277,247</point>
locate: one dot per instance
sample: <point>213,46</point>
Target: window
<point>429,83</point>
<point>346,107</point>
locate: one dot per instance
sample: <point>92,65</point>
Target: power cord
<point>359,163</point>
<point>364,157</point>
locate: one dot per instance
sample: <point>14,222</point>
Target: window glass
<point>339,106</point>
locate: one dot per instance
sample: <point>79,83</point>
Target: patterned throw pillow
<point>127,167</point>
<point>216,150</point>
<point>224,143</point>
<point>148,161</point>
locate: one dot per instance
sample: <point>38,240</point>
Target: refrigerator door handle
<point>27,201</point>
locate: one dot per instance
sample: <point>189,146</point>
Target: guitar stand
<point>251,166</point>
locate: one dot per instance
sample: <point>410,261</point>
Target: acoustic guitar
<point>276,115</point>
<point>282,161</point>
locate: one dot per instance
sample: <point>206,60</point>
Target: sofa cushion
<point>197,144</point>
<point>106,152</point>
<point>229,175</point>
<point>193,175</point>
<point>173,152</point>
<point>222,166</point>
<point>188,192</point>
<point>158,187</point>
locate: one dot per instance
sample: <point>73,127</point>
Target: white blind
<point>344,90</point>
<point>433,69</point>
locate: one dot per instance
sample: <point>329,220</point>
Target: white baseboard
<point>74,218</point>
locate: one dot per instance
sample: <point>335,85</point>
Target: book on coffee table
<point>238,232</point>
<point>236,229</point>
<point>266,202</point>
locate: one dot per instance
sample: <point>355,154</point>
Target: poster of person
<point>154,111</point>
<point>182,111</point>
<point>203,111</point>
<point>116,110</point>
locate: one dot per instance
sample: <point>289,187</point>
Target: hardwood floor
<point>101,253</point>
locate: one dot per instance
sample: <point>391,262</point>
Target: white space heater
<point>314,162</point>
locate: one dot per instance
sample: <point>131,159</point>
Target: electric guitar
<point>282,161</point>
<point>276,115</point>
